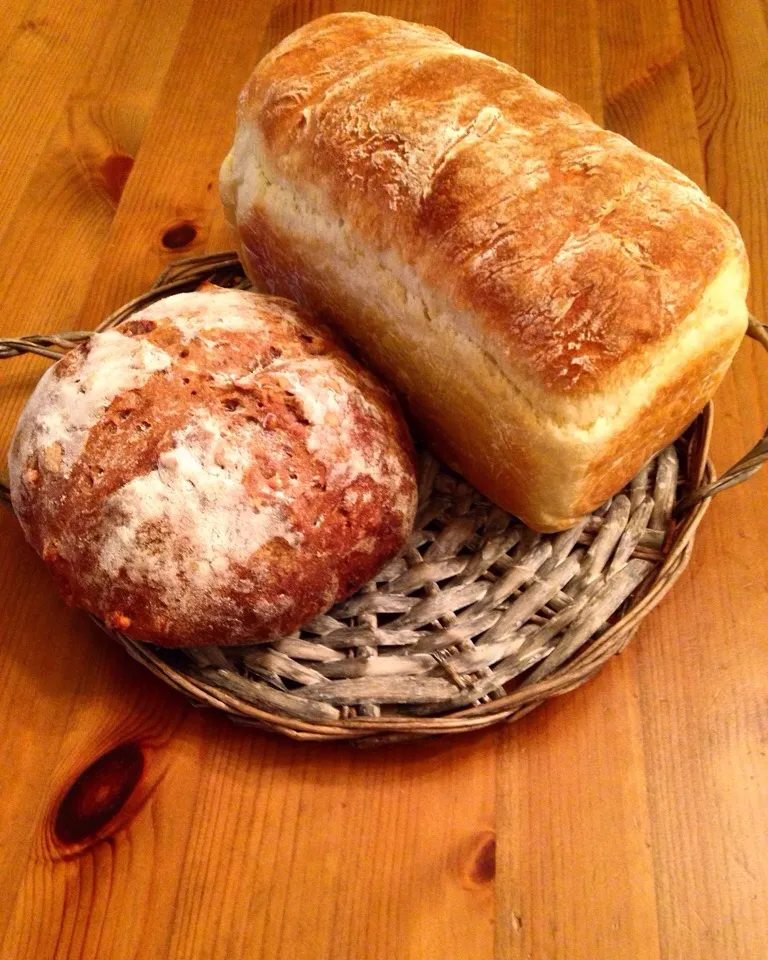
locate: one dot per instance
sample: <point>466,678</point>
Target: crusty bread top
<point>575,252</point>
<point>213,470</point>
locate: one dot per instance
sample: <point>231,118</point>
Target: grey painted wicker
<point>478,620</point>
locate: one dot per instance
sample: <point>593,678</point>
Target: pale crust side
<point>554,303</point>
<point>543,470</point>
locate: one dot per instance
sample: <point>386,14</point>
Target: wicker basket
<point>478,620</point>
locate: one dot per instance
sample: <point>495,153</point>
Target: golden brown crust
<point>553,303</point>
<point>680,399</point>
<point>576,252</point>
<point>238,475</point>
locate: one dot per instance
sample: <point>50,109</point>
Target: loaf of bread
<point>214,470</point>
<point>554,304</point>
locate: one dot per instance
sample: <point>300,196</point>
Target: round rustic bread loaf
<point>215,470</point>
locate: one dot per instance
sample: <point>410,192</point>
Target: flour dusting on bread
<point>328,406</point>
<point>183,523</point>
<point>213,309</point>
<point>259,478</point>
<point>64,407</point>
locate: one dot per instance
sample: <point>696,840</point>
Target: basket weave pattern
<point>479,619</point>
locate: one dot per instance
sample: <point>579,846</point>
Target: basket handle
<point>52,346</point>
<point>750,463</point>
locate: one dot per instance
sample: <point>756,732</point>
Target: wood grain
<point>114,66</point>
<point>703,633</point>
<point>605,858</point>
<point>625,820</point>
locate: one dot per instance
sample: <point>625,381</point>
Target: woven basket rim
<point>572,672</point>
<point>461,721</point>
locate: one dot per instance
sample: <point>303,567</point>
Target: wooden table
<point>626,820</point>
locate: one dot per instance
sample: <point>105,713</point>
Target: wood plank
<point>699,669</point>
<point>646,81</point>
<point>572,813</point>
<point>40,65</point>
<point>574,831</point>
<point>39,68</point>
<point>44,278</point>
<point>333,852</point>
<point>174,182</point>
<point>555,43</point>
<point>62,904</point>
<point>18,17</point>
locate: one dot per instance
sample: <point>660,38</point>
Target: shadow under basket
<point>477,621</point>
